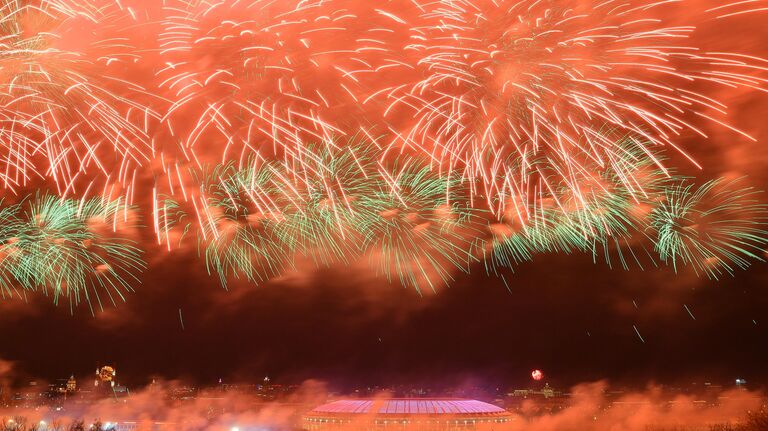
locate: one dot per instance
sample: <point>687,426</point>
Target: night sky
<point>567,316</point>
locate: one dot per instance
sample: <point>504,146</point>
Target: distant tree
<point>98,425</point>
<point>16,423</point>
<point>665,428</point>
<point>756,421</point>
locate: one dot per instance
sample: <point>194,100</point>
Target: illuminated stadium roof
<point>405,414</point>
<point>415,406</point>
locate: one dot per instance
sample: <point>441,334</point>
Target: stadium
<point>411,414</point>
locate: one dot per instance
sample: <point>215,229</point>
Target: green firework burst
<point>714,228</point>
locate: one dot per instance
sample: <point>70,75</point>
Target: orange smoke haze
<point>587,410</point>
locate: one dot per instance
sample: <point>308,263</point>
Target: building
<point>71,384</point>
<point>105,376</point>
<point>543,400</point>
<point>408,414</point>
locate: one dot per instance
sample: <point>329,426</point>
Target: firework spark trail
<point>423,231</point>
<point>409,223</point>
<point>739,8</point>
<point>502,84</point>
<point>688,310</point>
<point>335,209</point>
<point>242,240</point>
<point>715,228</point>
<point>637,332</point>
<point>66,110</point>
<point>244,80</point>
<point>604,212</point>
<point>68,249</point>
<point>420,136</point>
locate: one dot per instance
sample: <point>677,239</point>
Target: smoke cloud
<point>589,408</point>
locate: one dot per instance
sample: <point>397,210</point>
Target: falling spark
<point>689,311</point>
<point>638,334</point>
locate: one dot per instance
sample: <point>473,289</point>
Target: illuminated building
<point>71,384</point>
<point>409,414</point>
<point>105,376</point>
<point>545,392</point>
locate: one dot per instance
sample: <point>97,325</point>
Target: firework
<point>336,209</point>
<point>329,203</point>
<point>427,138</point>
<point>241,80</point>
<point>506,85</point>
<point>238,238</point>
<point>715,228</point>
<point>422,234</point>
<point>69,249</point>
<point>604,212</point>
<point>8,232</point>
<point>418,229</point>
<point>66,112</point>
